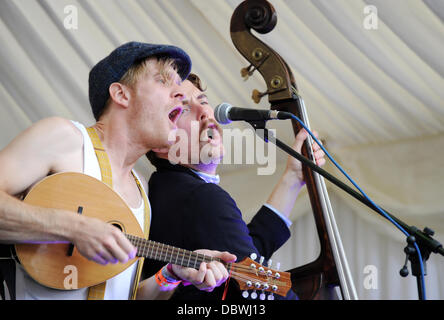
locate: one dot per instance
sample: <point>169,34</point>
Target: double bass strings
<point>368,198</point>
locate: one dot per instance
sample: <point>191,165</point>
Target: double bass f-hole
<point>317,279</point>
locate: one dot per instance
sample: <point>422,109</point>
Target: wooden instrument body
<point>316,279</point>
<point>48,263</point>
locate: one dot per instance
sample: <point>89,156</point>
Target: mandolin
<point>47,263</point>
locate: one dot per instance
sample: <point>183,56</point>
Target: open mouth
<point>211,134</point>
<point>175,114</point>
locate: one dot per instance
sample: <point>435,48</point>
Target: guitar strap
<point>97,292</point>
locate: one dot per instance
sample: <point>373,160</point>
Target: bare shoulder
<point>48,144</point>
<point>66,144</point>
<point>56,127</point>
<point>50,137</point>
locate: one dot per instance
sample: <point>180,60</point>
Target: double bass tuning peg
<point>247,72</point>
<point>257,96</point>
<point>259,56</point>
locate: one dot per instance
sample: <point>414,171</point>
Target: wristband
<point>171,271</point>
<point>163,279</point>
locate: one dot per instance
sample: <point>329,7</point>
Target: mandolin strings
<point>166,253</point>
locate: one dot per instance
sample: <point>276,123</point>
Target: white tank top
<point>118,287</point>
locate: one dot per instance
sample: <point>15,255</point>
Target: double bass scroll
<point>319,278</point>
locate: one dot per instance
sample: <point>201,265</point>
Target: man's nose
<point>177,93</point>
<point>204,113</point>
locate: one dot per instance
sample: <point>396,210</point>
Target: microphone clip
<point>410,251</point>
<point>411,254</point>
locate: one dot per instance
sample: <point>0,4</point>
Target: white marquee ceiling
<point>360,86</point>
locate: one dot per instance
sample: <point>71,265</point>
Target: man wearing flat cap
<point>136,100</point>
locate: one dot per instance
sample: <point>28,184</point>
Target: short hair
<point>195,80</point>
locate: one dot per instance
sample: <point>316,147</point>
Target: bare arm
<point>27,159</point>
<point>49,146</point>
<point>21,223</point>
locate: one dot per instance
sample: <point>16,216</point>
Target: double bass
<point>320,278</point>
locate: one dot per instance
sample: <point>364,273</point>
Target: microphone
<point>225,113</point>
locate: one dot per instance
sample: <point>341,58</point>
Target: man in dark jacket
<point>190,210</point>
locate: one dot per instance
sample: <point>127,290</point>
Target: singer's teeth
<point>174,114</point>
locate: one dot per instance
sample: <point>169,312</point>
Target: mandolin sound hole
<point>118,225</point>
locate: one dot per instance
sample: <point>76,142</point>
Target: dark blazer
<point>189,213</point>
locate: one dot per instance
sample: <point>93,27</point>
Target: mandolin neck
<point>166,253</point>
<point>247,273</point>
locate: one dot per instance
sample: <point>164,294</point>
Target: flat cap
<point>112,68</point>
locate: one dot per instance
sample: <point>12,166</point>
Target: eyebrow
<point>176,79</point>
<point>201,96</point>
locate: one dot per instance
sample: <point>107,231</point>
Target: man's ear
<point>120,94</point>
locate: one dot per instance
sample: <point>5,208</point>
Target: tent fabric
<point>372,81</point>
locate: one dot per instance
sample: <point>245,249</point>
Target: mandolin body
<point>50,264</point>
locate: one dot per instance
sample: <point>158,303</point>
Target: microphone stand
<point>423,238</point>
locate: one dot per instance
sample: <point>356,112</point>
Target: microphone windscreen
<point>221,113</point>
